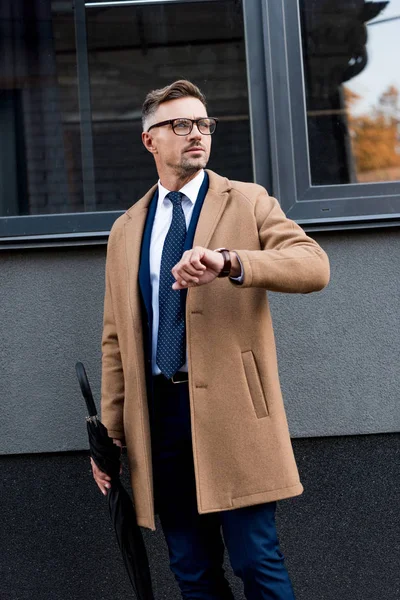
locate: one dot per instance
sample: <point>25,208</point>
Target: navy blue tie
<point>171,347</point>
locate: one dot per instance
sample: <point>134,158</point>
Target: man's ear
<point>148,142</point>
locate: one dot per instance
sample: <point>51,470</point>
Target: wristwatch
<point>226,269</point>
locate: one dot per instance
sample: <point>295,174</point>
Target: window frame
<point>277,130</point>
<point>93,226</point>
<point>322,206</point>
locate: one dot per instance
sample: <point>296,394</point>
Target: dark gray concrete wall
<point>340,538</point>
<point>338,349</point>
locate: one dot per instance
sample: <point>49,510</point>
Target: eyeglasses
<point>206,126</point>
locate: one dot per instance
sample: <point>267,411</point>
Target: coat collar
<point>211,213</point>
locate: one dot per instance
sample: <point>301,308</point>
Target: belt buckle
<point>176,382</point>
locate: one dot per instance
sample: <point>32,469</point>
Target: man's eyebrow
<point>190,118</point>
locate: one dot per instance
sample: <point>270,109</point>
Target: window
<point>40,164</point>
<point>307,94</point>
<point>335,109</point>
<point>133,49</point>
<point>71,93</point>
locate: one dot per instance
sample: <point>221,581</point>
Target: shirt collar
<point>190,190</point>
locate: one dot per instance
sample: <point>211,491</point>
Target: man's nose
<point>195,133</point>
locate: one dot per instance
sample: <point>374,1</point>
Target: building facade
<point>308,100</point>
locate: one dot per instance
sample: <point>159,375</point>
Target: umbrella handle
<point>85,389</point>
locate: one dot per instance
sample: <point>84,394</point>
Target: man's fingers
<point>98,473</point>
<point>197,264</point>
<point>185,279</point>
<point>102,479</point>
<point>191,261</point>
<point>184,270</point>
<point>102,484</point>
<point>179,286</point>
<point>195,259</point>
<point>102,488</point>
<point>189,269</point>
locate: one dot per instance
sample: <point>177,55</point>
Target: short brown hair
<point>178,89</point>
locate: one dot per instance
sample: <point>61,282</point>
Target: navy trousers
<point>195,542</point>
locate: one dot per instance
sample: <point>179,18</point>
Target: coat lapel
<point>134,227</point>
<point>212,210</point>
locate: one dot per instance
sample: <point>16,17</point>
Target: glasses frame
<point>193,121</point>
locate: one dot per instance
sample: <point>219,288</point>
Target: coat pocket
<point>254,384</point>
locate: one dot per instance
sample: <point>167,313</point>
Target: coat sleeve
<point>289,260</point>
<point>112,376</point>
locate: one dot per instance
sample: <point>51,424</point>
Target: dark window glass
<point>350,53</point>
<point>134,49</point>
<point>40,164</point>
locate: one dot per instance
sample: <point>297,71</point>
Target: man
<point>190,379</point>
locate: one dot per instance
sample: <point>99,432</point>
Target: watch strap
<point>226,269</point>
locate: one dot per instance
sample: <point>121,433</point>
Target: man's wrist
<point>226,265</point>
<point>236,269</point>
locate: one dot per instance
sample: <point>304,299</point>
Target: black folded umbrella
<point>106,455</point>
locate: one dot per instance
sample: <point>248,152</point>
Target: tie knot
<point>175,197</point>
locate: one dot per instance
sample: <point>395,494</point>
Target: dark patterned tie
<point>171,347</point>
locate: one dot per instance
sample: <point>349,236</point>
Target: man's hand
<point>197,267</point>
<point>201,265</point>
<point>101,478</point>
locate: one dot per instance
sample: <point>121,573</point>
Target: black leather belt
<point>178,377</point>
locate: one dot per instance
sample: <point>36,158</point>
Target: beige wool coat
<point>241,445</point>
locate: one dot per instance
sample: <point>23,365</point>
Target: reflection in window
<point>134,49</point>
<point>40,170</point>
<point>350,52</point>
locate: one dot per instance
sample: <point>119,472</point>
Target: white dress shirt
<point>161,225</point>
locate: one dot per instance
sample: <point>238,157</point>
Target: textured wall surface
<point>338,349</point>
<point>341,538</point>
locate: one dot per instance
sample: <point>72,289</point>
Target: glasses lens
<point>182,126</point>
<point>207,126</point>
